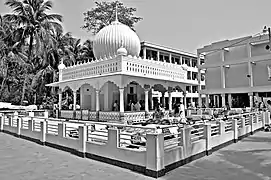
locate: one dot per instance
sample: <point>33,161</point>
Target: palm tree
<point>36,26</point>
<point>11,55</point>
<point>87,51</point>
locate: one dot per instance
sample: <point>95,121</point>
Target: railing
<point>97,134</point>
<point>36,125</point>
<point>67,114</point>
<point>52,127</point>
<point>109,116</point>
<point>215,129</point>
<point>134,116</point>
<point>197,133</point>
<point>128,65</point>
<point>228,125</point>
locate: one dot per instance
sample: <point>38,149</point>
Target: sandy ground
<point>249,159</point>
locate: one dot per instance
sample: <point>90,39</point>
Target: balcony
<point>127,66</point>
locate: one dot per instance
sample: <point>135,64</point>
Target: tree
<point>104,13</point>
<point>31,17</point>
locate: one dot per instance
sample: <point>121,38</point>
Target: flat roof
<point>165,48</point>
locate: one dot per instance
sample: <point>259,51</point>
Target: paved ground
<point>24,160</point>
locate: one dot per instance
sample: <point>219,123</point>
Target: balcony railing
<point>128,65</point>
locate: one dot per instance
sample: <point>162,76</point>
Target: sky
<point>181,24</point>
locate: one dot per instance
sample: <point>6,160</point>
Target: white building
<point>161,53</point>
<point>120,75</point>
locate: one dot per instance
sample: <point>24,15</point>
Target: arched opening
<point>158,96</point>
<point>134,93</point>
<point>109,93</point>
<point>87,97</point>
<point>67,98</point>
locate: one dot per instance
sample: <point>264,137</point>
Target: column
<point>158,56</point>
<point>250,69</point>
<point>144,52</point>
<point>230,100</point>
<point>218,100</point>
<point>250,99</point>
<point>146,100</point>
<point>121,90</point>
<point>199,81</point>
<point>223,100</point>
<point>97,100</point>
<point>184,100</point>
<point>207,101</point>
<point>74,100</point>
<point>59,99</point>
<point>214,97</point>
<point>170,57</point>
<point>222,69</point>
<point>170,101</point>
<point>163,99</point>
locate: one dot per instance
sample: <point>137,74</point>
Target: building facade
<point>237,71</point>
<point>118,76</point>
<point>161,53</point>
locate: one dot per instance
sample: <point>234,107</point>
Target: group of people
<point>134,107</point>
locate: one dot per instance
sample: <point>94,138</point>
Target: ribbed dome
<point>109,39</point>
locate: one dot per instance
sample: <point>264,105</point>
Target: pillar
<point>59,100</point>
<point>170,101</point>
<point>97,101</point>
<point>74,100</point>
<point>158,56</point>
<point>146,100</point>
<point>207,101</point>
<point>214,97</point>
<point>250,99</point>
<point>184,100</point>
<point>230,100</point>
<point>250,68</point>
<point>199,82</point>
<point>144,53</point>
<point>121,90</point>
<point>223,100</point>
<point>163,99</point>
<point>170,58</point>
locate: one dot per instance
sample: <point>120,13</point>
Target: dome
<point>122,52</point>
<point>61,66</point>
<point>113,37</point>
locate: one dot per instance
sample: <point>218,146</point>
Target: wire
<point>233,44</point>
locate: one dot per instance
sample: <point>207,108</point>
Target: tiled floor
<point>249,159</point>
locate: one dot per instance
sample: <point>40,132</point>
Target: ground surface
<point>249,159</point>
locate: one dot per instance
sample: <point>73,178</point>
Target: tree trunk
<point>2,87</point>
<point>24,88</point>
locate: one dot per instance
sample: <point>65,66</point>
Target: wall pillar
<point>199,81</point>
<point>155,155</point>
<point>59,100</point>
<point>158,56</point>
<point>184,100</point>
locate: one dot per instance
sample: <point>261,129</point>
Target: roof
<point>165,48</point>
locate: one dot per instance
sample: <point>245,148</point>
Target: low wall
<point>156,159</point>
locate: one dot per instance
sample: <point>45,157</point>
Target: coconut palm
<point>11,57</point>
<point>87,51</point>
<point>31,16</point>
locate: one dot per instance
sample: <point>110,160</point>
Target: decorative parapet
<point>128,66</point>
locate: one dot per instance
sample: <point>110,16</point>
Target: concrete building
<point>237,70</point>
<point>119,76</point>
<point>161,53</point>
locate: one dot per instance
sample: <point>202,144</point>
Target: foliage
<point>32,44</point>
<point>104,13</point>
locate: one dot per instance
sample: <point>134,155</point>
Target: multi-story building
<point>237,71</point>
<point>156,52</point>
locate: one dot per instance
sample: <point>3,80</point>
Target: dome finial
<point>116,11</point>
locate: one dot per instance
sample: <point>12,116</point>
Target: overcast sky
<point>182,24</point>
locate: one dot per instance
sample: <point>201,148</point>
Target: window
<point>202,77</point>
<point>194,63</point>
<point>189,75</point>
<point>202,87</point>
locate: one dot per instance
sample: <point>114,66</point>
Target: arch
<point>159,87</point>
<point>178,88</point>
<point>109,93</point>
